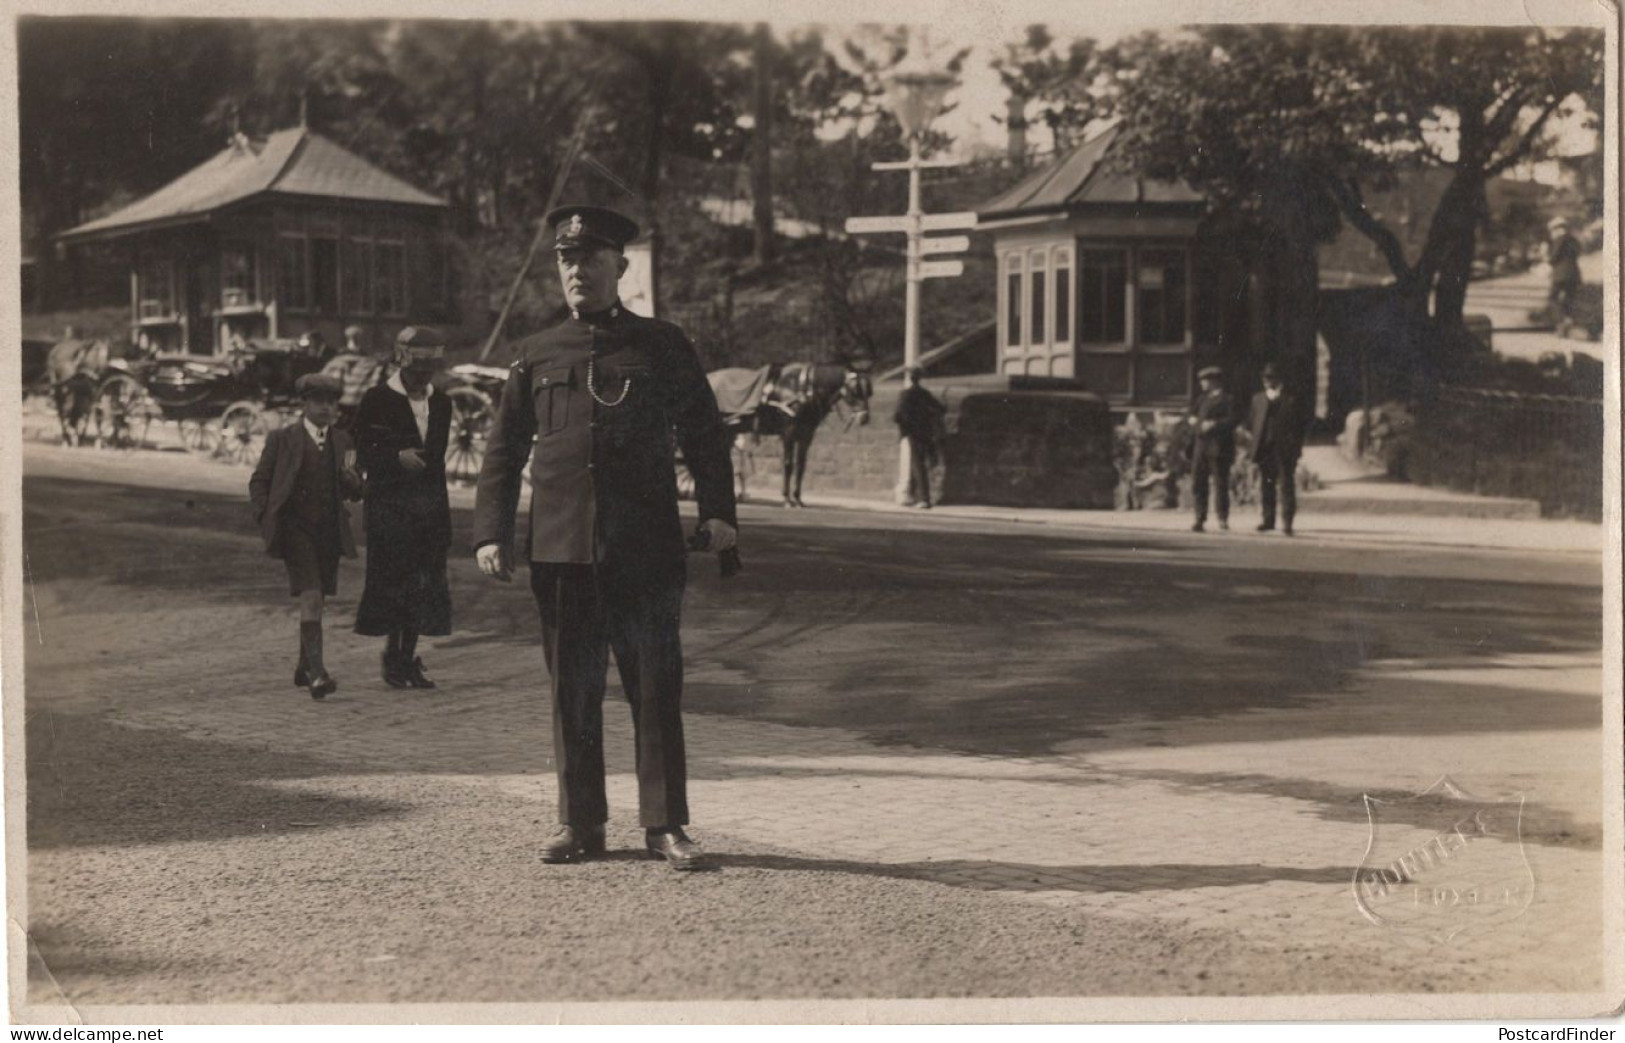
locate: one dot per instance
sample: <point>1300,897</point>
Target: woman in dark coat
<point>401,429</point>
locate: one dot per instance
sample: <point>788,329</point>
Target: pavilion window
<point>1063,296</point>
<point>1104,310</point>
<point>390,277</point>
<point>238,287</point>
<point>1161,285</point>
<point>324,274</point>
<point>293,288</point>
<point>156,288</point>
<point>357,278</point>
<point>1037,283</point>
<point>1013,298</point>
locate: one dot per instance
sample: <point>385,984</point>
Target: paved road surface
<point>937,757</point>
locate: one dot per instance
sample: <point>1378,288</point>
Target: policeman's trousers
<point>586,612</point>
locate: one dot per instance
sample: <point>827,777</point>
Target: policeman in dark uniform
<point>1214,418</point>
<point>601,395</point>
<point>1277,429</point>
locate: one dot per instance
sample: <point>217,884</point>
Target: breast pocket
<point>552,389</point>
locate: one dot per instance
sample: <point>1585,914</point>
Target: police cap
<point>1209,373</point>
<point>590,226</point>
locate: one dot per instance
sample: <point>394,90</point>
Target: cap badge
<point>574,227</point>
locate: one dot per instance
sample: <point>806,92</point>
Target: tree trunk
<point>1455,224</point>
<point>1296,282</point>
<point>761,173</point>
<point>657,72</point>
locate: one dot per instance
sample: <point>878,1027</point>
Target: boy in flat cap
<point>402,427</point>
<point>602,395</point>
<point>1214,450</point>
<point>298,489</point>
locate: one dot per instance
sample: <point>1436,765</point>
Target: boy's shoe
<point>301,677</point>
<point>322,685</point>
<point>416,676</point>
<point>396,673</point>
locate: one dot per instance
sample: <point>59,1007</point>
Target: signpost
<point>917,95</point>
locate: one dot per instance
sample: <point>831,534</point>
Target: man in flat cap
<point>298,489</point>
<point>1213,418</point>
<point>401,429</point>
<point>1276,425</point>
<point>601,395</point>
<point>357,370</point>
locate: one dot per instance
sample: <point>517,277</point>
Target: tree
<point>1243,115</point>
<point>1476,102</point>
<point>1291,126</point>
<point>1058,84</point>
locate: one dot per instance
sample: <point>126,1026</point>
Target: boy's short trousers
<point>313,563</point>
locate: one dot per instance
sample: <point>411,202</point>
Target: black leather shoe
<point>322,685</point>
<point>674,846</point>
<point>301,678</point>
<point>415,675</point>
<point>396,673</point>
<point>1266,527</point>
<point>1199,527</point>
<point>573,843</point>
<point>1286,530</point>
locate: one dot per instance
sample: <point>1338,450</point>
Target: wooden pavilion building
<point>276,238</point>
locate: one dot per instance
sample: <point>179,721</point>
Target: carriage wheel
<point>471,416</point>
<point>240,433</point>
<point>199,436</point>
<point>124,412</point>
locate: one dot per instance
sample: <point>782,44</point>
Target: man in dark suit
<point>919,419</point>
<point>1213,418</point>
<point>1276,424</point>
<point>601,395</point>
<point>298,489</point>
<point>401,429</point>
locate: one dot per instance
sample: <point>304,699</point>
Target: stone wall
<point>1005,447</point>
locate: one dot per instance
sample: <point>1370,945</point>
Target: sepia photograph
<point>943,513</point>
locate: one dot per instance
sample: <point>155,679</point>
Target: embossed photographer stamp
<point>1443,861</point>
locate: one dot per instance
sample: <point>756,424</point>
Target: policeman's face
<point>589,276</point>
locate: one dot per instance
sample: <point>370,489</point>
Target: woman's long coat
<point>408,515</point>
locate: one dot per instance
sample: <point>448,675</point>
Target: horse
<point>798,398</point>
<point>73,368</point>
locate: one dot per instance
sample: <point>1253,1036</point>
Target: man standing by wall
<point>1563,255</point>
<point>919,419</point>
<point>1276,424</point>
<point>1214,419</point>
<point>601,394</point>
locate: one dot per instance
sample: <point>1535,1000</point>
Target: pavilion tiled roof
<point>293,162</point>
<point>1080,177</point>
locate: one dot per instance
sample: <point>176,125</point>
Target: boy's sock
<point>310,642</point>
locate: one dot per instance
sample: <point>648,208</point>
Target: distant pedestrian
<point>305,474</point>
<point>1213,417</point>
<point>1563,254</point>
<point>1276,424</point>
<point>919,419</point>
<point>358,370</point>
<point>402,427</point>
